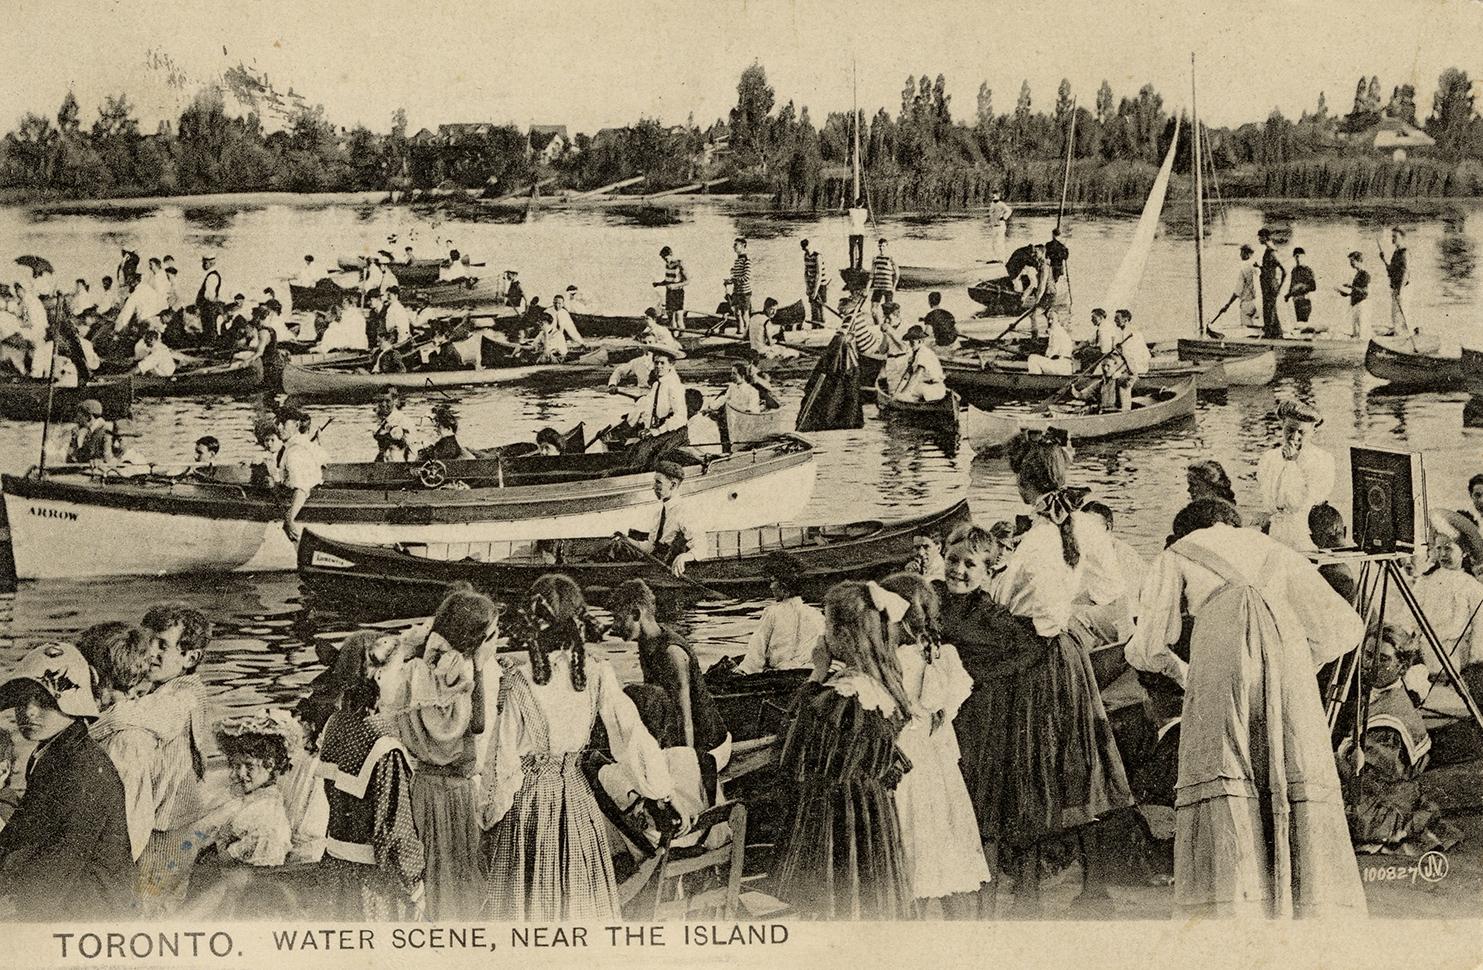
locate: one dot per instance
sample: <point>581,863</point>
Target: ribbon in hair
<point>1050,436</point>
<point>1058,505</point>
<point>886,602</point>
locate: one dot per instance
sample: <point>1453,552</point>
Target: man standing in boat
<point>1057,255</point>
<point>1301,287</point>
<point>1357,290</point>
<point>674,289</point>
<point>859,217</point>
<point>815,283</point>
<point>208,297</point>
<point>1126,357</point>
<point>999,213</point>
<point>740,284</point>
<point>1247,288</point>
<point>884,277</point>
<point>1273,276</point>
<point>1398,268</point>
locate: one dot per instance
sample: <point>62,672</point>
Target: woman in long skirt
<point>546,846</point>
<point>842,858</point>
<point>449,690</point>
<point>1259,815</point>
<point>938,830</point>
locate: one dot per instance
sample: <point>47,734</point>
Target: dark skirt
<point>1038,753</point>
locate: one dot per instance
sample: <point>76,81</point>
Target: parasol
<point>35,264</point>
<point>1461,530</point>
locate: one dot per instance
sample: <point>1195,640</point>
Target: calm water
<point>264,651</point>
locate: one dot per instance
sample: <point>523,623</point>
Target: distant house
<point>548,142</point>
<point>424,137</point>
<point>1389,136</point>
<point>452,133</point>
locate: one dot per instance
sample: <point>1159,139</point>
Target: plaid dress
<point>548,855</point>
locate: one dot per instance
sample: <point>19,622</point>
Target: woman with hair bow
<point>444,727</point>
<point>1063,564</point>
<point>546,842</point>
<point>843,857</point>
<point>938,829</point>
<point>1294,476</point>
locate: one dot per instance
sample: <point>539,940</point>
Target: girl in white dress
<point>1294,476</point>
<point>545,842</point>
<point>939,831</point>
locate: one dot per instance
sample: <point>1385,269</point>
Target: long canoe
<point>1011,380</point>
<point>988,433</point>
<point>923,277</point>
<point>1472,370</point>
<point>24,399</point>
<point>418,575</point>
<point>327,383</point>
<point>74,525</point>
<point>941,415</point>
<point>745,426</point>
<point>234,377</point>
<point>465,294</point>
<point>1293,353</point>
<point>419,272</point>
<point>1393,362</point>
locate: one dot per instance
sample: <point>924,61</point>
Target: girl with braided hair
<point>843,856</point>
<point>545,842</point>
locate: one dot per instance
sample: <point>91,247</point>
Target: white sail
<point>1124,286</point>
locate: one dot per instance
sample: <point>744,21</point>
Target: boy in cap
<point>64,855</point>
<point>1300,286</point>
<point>90,440</point>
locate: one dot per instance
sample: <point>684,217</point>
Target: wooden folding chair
<point>697,882</point>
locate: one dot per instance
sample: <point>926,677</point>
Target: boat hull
<point>925,277</point>
<point>1291,354</point>
<point>240,377</point>
<point>1419,372</point>
<point>995,381</point>
<point>71,526</point>
<point>943,415</point>
<point>743,427</point>
<point>26,400</point>
<point>989,433</point>
<point>825,555</point>
<point>997,297</point>
<point>329,384</point>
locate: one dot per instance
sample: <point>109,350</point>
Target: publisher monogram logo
<point>1431,867</point>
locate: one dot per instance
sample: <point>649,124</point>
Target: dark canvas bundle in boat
<point>831,398</point>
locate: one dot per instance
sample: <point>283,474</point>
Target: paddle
<point>1410,334</point>
<point>1210,327</point>
<point>1071,385</point>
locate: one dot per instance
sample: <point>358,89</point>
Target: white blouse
<point>1038,585</point>
<point>568,715</point>
<point>784,638</point>
<point>1290,488</point>
<point>1450,598</point>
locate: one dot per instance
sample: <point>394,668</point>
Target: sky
<point>589,64</point>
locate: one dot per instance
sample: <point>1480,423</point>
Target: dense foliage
<point>917,158</point>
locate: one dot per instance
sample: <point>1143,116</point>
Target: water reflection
<point>211,218</point>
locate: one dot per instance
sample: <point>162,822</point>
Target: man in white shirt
<point>308,274</point>
<point>158,361</point>
<point>1060,349</point>
<point>788,629</point>
<point>575,301</point>
<point>859,217</point>
<point>675,539</point>
<point>398,320</point>
<point>760,333</point>
<point>923,378</point>
<point>999,213</point>
<point>347,329</point>
<point>662,415</point>
<point>81,299</point>
<point>1126,357</point>
<point>565,322</point>
<point>636,371</point>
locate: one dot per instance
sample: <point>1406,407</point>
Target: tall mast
<point>855,122</point>
<point>1199,201</point>
<point>1066,178</point>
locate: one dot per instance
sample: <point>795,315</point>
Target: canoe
<point>855,280</point>
<point>410,579</point>
<point>924,277</point>
<point>942,415</point>
<point>1393,361</point>
<point>1011,379</point>
<point>1472,370</point>
<point>1293,353</point>
<point>324,295</point>
<point>1254,370</point>
<point>234,377</point>
<point>24,399</point>
<point>74,525</point>
<point>465,294</point>
<point>326,383</point>
<point>746,426</point>
<point>988,433</point>
<point>419,272</point>
<point>997,297</point>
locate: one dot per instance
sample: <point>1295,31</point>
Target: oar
<point>1070,385</point>
<point>315,436</point>
<point>655,561</point>
<point>1210,327</point>
<point>996,341</point>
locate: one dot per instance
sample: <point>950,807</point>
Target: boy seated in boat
<point>675,538</point>
<point>921,377</point>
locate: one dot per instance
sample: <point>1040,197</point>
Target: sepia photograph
<point>748,483</point>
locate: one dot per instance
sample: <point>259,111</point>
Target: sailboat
<point>1244,357</point>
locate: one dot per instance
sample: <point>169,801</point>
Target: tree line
<point>917,157</point>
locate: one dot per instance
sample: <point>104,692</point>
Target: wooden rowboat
<point>464,294</point>
<point>941,415</point>
<point>24,399</point>
<point>988,433</point>
<point>997,297</point>
<point>234,377</point>
<point>1392,361</point>
<point>73,525</point>
<point>1011,379</point>
<point>412,578</point>
<point>327,383</point>
<point>419,272</point>
<point>745,426</point>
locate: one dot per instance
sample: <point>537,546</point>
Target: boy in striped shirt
<point>741,284</point>
<point>883,280</point>
<point>674,289</point>
<point>815,284</point>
